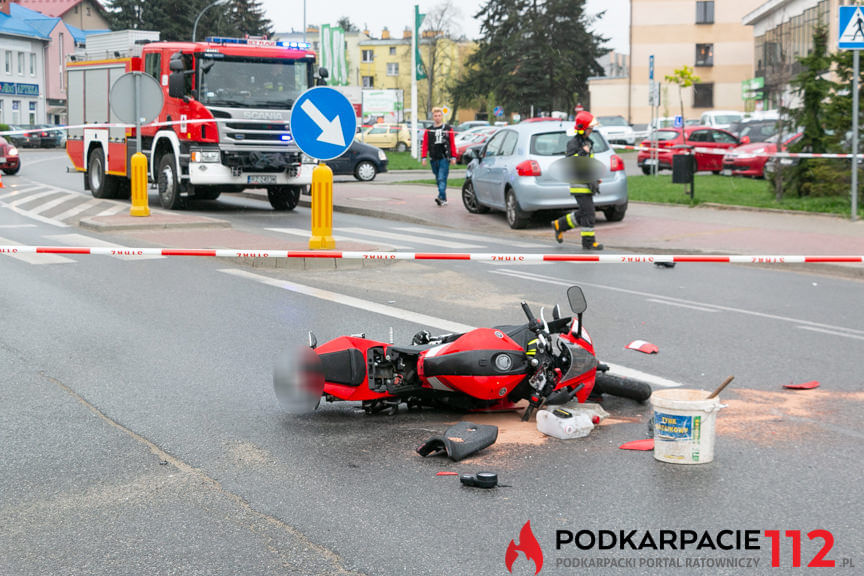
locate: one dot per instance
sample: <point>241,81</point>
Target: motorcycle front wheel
<point>623,387</point>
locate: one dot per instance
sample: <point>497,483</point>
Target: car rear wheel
<point>401,147</point>
<point>469,199</point>
<point>615,213</point>
<point>516,218</point>
<point>365,171</point>
<point>11,171</point>
<point>646,170</point>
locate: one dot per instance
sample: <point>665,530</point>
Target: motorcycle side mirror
<point>556,312</point>
<point>578,304</point>
<point>577,300</point>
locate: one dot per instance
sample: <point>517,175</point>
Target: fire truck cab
<point>223,127</point>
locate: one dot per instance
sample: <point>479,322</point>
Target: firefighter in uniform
<point>584,217</point>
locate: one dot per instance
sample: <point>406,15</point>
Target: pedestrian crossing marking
<point>32,258</point>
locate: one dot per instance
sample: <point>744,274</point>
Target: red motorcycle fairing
<point>484,363</point>
<point>575,376</point>
<point>345,360</point>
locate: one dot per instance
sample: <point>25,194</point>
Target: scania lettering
<point>224,123</point>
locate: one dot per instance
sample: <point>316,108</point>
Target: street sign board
<point>123,94</point>
<point>323,123</point>
<point>498,111</point>
<point>851,27</point>
<point>651,67</point>
<point>679,122</point>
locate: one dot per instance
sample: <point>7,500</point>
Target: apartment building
<point>708,36</point>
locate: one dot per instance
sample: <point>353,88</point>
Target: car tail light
<point>528,168</point>
<point>616,164</point>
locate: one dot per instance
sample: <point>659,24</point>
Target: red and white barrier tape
<point>732,153</point>
<point>499,257</point>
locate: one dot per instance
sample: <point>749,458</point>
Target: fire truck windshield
<point>251,82</point>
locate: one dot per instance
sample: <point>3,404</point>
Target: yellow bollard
<point>139,186</point>
<point>322,208</point>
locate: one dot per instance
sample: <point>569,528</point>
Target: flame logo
<point>528,545</point>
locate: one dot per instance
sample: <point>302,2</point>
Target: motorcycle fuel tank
<point>484,363</point>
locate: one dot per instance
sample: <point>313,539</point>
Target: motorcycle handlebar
<point>533,323</point>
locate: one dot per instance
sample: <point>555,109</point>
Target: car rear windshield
<point>664,135</point>
<point>555,143</point>
<point>612,121</point>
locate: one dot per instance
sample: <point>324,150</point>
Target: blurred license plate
<point>786,161</point>
<point>2,160</point>
<point>650,162</point>
<point>726,172</point>
<point>267,179</point>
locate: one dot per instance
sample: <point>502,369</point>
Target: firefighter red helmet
<point>585,120</point>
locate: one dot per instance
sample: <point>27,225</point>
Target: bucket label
<point>677,426</point>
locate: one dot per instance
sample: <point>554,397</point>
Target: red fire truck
<point>227,105</point>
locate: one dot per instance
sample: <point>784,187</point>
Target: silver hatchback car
<point>512,174</point>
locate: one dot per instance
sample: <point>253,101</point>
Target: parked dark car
<point>27,140</point>
<point>363,161</point>
<point>50,136</point>
<point>10,163</point>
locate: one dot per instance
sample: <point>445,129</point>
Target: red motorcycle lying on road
<point>543,362</point>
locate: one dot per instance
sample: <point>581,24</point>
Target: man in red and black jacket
<point>439,145</point>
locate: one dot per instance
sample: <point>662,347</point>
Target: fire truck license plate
<point>2,160</point>
<point>264,179</point>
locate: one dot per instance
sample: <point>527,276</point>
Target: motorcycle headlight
<point>503,362</point>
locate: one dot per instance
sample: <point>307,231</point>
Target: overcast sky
<point>396,15</point>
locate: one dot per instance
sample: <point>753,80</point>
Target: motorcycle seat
<point>344,367</point>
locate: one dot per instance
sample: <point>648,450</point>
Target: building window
<point>20,63</point>
<point>703,95</point>
<point>705,12</point>
<point>392,69</point>
<point>32,64</point>
<point>368,81</point>
<point>368,55</point>
<point>392,51</point>
<point>704,54</point>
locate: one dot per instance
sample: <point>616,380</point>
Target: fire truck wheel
<point>101,184</point>
<point>283,197</point>
<point>168,183</point>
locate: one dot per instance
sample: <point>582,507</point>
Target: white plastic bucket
<point>684,425</point>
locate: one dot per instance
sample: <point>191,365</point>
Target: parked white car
<point>721,118</point>
<point>616,130</point>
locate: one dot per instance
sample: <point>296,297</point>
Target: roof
<point>80,36</point>
<point>56,8</point>
<point>28,23</point>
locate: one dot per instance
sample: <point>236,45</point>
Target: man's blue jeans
<point>441,169</point>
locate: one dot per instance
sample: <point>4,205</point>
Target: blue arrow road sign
<point>851,27</point>
<point>678,122</point>
<point>323,123</point>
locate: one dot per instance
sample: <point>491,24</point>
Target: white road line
<point>417,318</point>
<point>78,209</point>
<point>469,237</point>
<point>409,238</point>
<point>42,208</point>
<point>37,259</point>
<point>116,209</point>
<point>831,332</point>
<point>18,190</point>
<point>28,214</point>
<point>17,225</point>
<point>336,237</point>
<point>31,197</point>
<point>82,240</point>
<point>682,305</point>
<point>557,282</point>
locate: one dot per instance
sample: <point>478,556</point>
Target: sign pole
<point>855,68</point>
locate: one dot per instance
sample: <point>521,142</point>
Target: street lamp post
<point>216,3</point>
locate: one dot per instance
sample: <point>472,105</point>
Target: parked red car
<point>10,163</point>
<point>750,159</point>
<point>706,142</point>
<point>479,137</point>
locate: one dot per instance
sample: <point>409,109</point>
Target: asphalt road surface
<point>141,433</point>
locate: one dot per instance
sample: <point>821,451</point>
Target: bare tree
<point>440,31</point>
